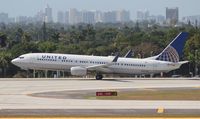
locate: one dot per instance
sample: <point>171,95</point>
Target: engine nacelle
<point>78,71</point>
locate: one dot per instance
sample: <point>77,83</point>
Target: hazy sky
<point>31,7</point>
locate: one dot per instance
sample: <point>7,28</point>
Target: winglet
<point>116,58</point>
<point>129,54</point>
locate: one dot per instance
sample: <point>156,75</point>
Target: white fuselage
<point>51,61</point>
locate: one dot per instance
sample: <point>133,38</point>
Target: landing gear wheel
<point>99,77</point>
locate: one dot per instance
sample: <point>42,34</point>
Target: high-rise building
<point>60,17</point>
<point>98,16</point>
<point>4,18</point>
<point>39,17</point>
<point>123,16</point>
<point>142,15</point>
<point>66,17</point>
<point>110,17</point>
<point>87,17</point>
<point>192,20</point>
<point>73,16</point>
<point>160,19</point>
<point>11,20</point>
<point>21,19</point>
<point>172,15</point>
<point>48,14</point>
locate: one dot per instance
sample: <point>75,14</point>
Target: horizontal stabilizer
<point>183,62</point>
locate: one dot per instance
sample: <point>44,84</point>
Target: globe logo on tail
<point>169,54</point>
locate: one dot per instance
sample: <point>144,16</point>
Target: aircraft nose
<point>14,61</point>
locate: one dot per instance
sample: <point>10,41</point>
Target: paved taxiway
<point>15,98</point>
<point>14,94</point>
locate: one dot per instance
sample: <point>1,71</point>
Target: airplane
<point>80,65</point>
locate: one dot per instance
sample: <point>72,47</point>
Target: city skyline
<point>156,7</point>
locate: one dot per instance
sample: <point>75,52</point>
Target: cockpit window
<point>21,57</point>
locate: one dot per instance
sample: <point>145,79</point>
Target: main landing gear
<point>99,77</point>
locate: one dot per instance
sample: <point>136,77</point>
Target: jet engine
<point>78,71</point>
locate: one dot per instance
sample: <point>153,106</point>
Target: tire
<point>99,77</point>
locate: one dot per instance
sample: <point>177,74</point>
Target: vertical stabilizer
<point>174,50</point>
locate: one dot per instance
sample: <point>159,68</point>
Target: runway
<point>15,95</point>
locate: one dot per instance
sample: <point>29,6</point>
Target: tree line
<point>100,39</point>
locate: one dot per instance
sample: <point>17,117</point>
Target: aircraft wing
<point>97,66</point>
<point>103,66</point>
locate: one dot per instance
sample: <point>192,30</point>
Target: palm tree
<point>5,59</point>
